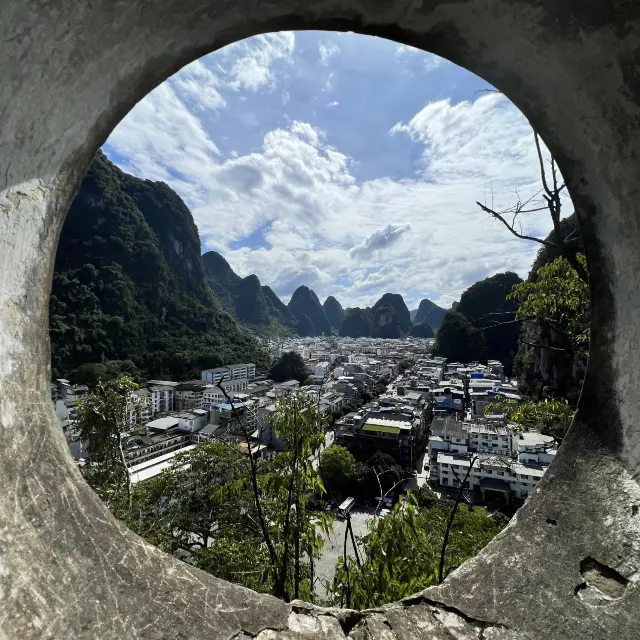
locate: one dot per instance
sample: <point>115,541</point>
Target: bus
<point>346,506</point>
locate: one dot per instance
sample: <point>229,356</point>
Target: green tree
<point>401,553</point>
<point>290,366</point>
<point>422,330</point>
<point>300,427</point>
<point>488,307</point>
<point>560,299</point>
<point>103,420</point>
<point>550,416</point>
<point>337,470</point>
<point>356,324</point>
<point>554,343</point>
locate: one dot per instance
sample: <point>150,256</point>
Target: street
<point>334,546</point>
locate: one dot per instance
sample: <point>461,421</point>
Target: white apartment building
<point>508,461</point>
<point>320,370</point>
<point>161,398</point>
<point>191,421</point>
<point>188,396</point>
<point>139,410</point>
<point>232,372</point>
<point>212,395</point>
<point>496,473</point>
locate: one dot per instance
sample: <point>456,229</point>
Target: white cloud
<point>378,240</point>
<point>418,236</point>
<point>329,84</point>
<point>196,82</point>
<point>430,60</point>
<point>332,104</point>
<point>254,58</point>
<point>327,50</point>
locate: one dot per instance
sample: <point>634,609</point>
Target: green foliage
<point>458,340</point>
<point>401,553</point>
<point>204,507</point>
<point>385,323</point>
<point>550,363</point>
<point>91,373</point>
<point>290,366</point>
<point>338,470</point>
<point>245,298</point>
<point>304,302</point>
<point>300,426</point>
<point>430,313</point>
<point>102,419</point>
<point>560,298</point>
<point>129,284</point>
<point>550,417</point>
<point>404,365</point>
<point>422,330</point>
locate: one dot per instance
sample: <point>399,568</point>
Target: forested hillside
<point>482,325</point>
<point>388,318</point>
<point>129,284</point>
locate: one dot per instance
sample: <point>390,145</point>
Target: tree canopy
<point>337,469</point>
<point>555,344</point>
<point>290,366</point>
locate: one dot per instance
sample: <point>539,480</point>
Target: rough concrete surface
<point>566,567</point>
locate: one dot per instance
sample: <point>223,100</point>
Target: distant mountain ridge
<point>430,313</point>
<point>244,298</point>
<point>334,311</point>
<point>307,310</point>
<point>258,305</point>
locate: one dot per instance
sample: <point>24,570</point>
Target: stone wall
<point>567,565</point>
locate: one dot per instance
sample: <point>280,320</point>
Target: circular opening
<point>254,178</point>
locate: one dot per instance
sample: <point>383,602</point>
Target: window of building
<point>500,473</point>
<point>494,444</point>
<point>490,471</point>
<point>445,481</point>
<point>444,466</point>
<point>525,477</point>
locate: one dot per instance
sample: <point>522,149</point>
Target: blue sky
<point>344,162</point>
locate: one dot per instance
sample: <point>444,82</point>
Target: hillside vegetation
<point>129,284</point>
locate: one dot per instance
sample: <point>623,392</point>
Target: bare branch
<point>522,236</point>
<point>543,174</point>
<point>452,515</point>
<point>546,346</point>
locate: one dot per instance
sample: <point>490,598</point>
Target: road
<point>334,545</point>
<point>423,475</point>
<point>328,441</point>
